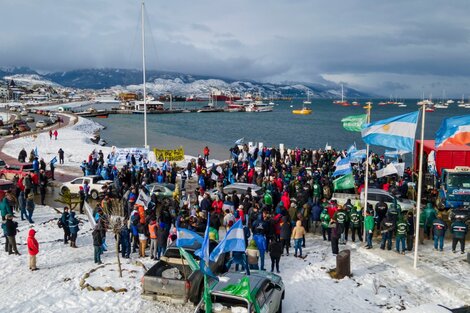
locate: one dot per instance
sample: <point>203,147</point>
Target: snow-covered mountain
<point>161,82</point>
<point>30,80</point>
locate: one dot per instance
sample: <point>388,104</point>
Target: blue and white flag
<point>343,167</point>
<point>54,160</point>
<point>395,153</point>
<point>240,141</point>
<point>186,237</point>
<point>358,156</point>
<point>351,149</point>
<point>396,132</point>
<point>36,153</point>
<point>234,240</point>
<point>204,254</point>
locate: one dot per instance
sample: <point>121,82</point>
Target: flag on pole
<point>396,132</point>
<point>204,255</point>
<point>186,237</point>
<point>36,153</point>
<point>143,199</point>
<point>454,130</point>
<point>53,161</point>
<point>388,170</point>
<point>344,182</point>
<point>354,123</point>
<point>357,156</point>
<point>351,149</point>
<point>395,153</point>
<point>343,167</point>
<point>189,258</point>
<point>240,141</point>
<point>234,240</point>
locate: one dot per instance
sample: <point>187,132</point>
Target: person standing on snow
<point>11,229</point>
<point>97,242</point>
<point>275,252</point>
<point>325,222</point>
<point>369,227</point>
<point>55,134</point>
<point>73,226</point>
<point>64,219</point>
<point>33,249</point>
<point>335,235</point>
<point>402,230</point>
<point>386,229</point>
<point>459,230</point>
<point>439,231</point>
<point>298,234</point>
<point>61,156</point>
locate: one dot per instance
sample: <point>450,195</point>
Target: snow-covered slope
<point>30,80</point>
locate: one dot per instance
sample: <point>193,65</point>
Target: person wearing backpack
<point>73,225</point>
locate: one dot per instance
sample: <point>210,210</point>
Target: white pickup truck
<point>374,196</point>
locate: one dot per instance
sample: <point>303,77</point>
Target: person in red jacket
<point>285,199</point>
<point>33,249</point>
<point>217,205</point>
<point>332,208</point>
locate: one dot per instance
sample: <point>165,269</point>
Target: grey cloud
<point>378,45</point>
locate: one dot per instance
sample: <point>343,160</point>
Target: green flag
<point>242,289</point>
<point>344,182</point>
<point>353,123</point>
<point>189,258</point>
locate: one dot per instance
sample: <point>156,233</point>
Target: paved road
<point>67,119</point>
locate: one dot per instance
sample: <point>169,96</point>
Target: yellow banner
<point>170,155</point>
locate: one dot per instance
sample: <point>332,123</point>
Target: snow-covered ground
<point>74,140</point>
<point>377,284</point>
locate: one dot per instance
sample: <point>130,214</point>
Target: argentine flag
<point>343,167</point>
<point>454,130</point>
<point>186,238</point>
<point>396,132</point>
<point>234,240</point>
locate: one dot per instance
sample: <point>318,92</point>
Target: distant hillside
<point>161,82</point>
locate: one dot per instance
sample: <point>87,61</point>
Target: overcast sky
<point>402,47</point>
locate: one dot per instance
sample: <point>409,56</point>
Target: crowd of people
<point>294,199</point>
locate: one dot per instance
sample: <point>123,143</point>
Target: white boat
<point>308,98</point>
<point>258,106</point>
<point>440,105</point>
<point>450,101</point>
<point>402,105</point>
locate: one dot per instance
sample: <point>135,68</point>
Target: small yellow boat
<point>304,111</point>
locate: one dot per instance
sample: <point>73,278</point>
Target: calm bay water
<point>220,130</point>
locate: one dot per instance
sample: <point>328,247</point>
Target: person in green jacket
<point>325,221</point>
<point>268,199</point>
<point>429,216</point>
<point>422,222</point>
<point>356,221</point>
<point>402,231</point>
<point>5,208</point>
<point>369,225</point>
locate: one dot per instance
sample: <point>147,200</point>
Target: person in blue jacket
<point>73,227</point>
<point>316,212</point>
<point>260,240</point>
<point>36,165</point>
<point>124,239</point>
<point>439,231</point>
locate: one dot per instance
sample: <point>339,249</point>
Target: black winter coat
<point>97,238</point>
<point>275,249</point>
<point>11,228</point>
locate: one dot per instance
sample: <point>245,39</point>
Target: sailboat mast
<point>342,95</point>
<point>143,76</point>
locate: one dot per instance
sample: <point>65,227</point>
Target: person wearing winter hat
<point>33,249</point>
<point>11,229</point>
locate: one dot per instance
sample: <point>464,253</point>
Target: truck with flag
<point>176,277</point>
<point>448,170</point>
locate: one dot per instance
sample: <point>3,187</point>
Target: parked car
<point>241,188</point>
<point>30,119</point>
<point>161,190</point>
<point>23,127</point>
<point>374,196</point>
<point>41,124</point>
<point>266,290</point>
<point>5,132</point>
<point>23,169</point>
<point>95,182</point>
<point>171,279</point>
<point>24,113</point>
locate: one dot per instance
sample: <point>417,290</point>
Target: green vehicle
<point>230,293</point>
<point>161,190</point>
